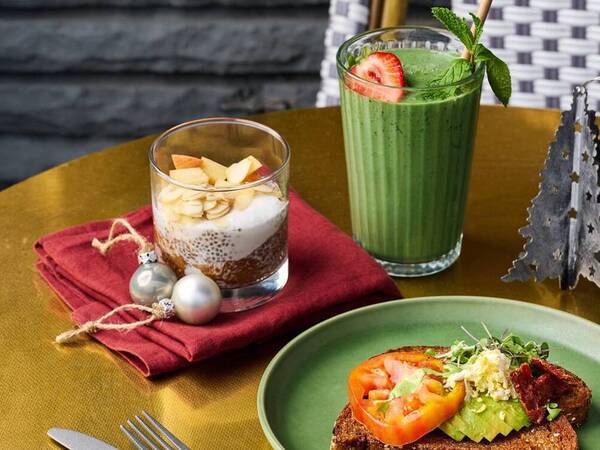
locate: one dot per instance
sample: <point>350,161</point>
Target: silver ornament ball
<point>151,282</point>
<point>197,299</point>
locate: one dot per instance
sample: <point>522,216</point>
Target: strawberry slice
<point>383,74</point>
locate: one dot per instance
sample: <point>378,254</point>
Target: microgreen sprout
<point>514,347</point>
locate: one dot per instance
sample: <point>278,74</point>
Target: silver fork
<point>146,434</point>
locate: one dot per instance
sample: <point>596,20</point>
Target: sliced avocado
<point>517,417</point>
<point>455,427</point>
<point>463,423</point>
<point>473,419</point>
<point>496,420</point>
<point>451,430</point>
<point>484,417</point>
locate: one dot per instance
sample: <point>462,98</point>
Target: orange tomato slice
<point>404,419</point>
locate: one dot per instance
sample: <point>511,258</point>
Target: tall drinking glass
<point>409,159</point>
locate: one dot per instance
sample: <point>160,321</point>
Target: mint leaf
<point>459,68</point>
<point>455,25</point>
<point>481,53</point>
<point>478,28</point>
<point>497,72</point>
<point>499,78</point>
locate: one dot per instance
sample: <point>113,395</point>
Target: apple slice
<point>255,164</point>
<point>193,175</point>
<point>221,183</point>
<point>185,161</point>
<point>237,172</point>
<point>213,169</point>
<point>243,199</point>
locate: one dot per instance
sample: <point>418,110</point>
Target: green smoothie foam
<point>409,162</point>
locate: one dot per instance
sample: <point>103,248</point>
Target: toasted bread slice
<point>575,402</point>
<point>349,434</point>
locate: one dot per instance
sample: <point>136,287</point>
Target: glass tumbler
<point>409,157</point>
<point>220,206</point>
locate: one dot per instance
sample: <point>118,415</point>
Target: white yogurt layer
<point>230,238</point>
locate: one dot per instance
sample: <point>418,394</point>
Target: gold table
<point>212,404</point>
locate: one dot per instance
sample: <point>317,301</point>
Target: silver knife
<point>75,440</point>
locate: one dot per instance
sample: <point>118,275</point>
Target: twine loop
<point>160,310</point>
<point>144,246</point>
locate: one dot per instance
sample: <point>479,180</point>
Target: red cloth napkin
<point>329,273</point>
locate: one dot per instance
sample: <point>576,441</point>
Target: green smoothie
<point>409,161</point>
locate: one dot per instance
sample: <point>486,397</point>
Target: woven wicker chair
<point>347,18</point>
<point>550,46</point>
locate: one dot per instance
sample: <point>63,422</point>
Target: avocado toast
<point>532,405</point>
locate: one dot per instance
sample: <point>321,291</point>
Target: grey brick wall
<point>79,75</point>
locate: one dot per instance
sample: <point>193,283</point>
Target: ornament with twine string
<point>153,280</point>
<point>154,288</point>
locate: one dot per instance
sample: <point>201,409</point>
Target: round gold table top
<point>212,405</point>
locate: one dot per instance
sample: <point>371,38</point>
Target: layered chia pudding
<point>243,244</point>
<point>227,221</point>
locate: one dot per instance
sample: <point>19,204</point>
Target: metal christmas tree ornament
<point>152,280</point>
<point>563,229</point>
<point>197,299</point>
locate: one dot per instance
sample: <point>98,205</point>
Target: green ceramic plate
<point>304,387</point>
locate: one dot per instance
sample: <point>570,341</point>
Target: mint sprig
<point>497,71</point>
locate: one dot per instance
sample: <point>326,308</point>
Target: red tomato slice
<point>404,419</point>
